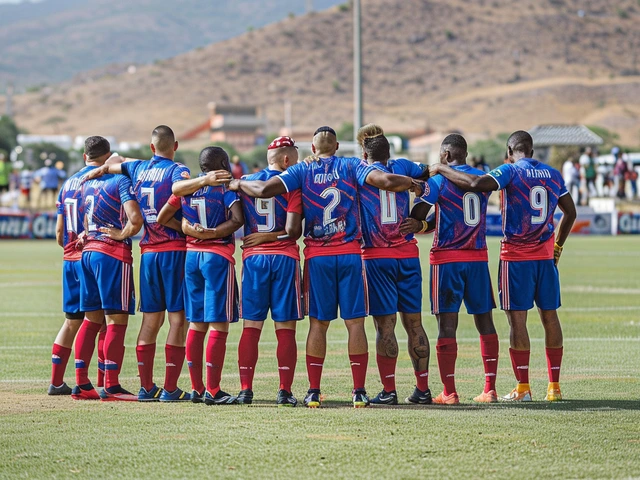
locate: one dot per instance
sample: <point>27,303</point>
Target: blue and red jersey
<point>530,197</point>
<point>68,205</point>
<point>383,212</point>
<point>152,181</point>
<point>262,215</point>
<point>330,203</point>
<point>461,220</point>
<point>102,205</point>
<point>209,207</point>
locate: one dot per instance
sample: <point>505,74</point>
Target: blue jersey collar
<point>158,158</point>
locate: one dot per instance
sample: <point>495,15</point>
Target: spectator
<point>571,177</point>
<point>256,168</point>
<point>481,164</point>
<point>5,172</point>
<point>238,168</point>
<point>26,179</point>
<point>48,177</point>
<point>632,177</point>
<point>620,172</point>
<point>588,164</point>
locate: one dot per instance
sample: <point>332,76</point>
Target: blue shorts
<point>106,284</point>
<point>211,288</point>
<point>522,283</point>
<point>162,281</point>
<point>395,285</point>
<point>451,283</point>
<point>71,273</point>
<point>271,281</point>
<point>336,281</point>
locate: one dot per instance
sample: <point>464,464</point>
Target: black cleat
<point>360,399</point>
<point>286,399</point>
<point>245,397</point>
<point>197,397</point>
<point>220,398</point>
<point>63,389</point>
<point>419,397</point>
<point>312,400</point>
<point>385,398</point>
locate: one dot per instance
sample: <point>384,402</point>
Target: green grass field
<point>594,433</point>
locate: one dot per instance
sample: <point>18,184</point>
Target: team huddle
<point>360,258</point>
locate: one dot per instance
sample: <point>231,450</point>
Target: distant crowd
<point>29,189</point>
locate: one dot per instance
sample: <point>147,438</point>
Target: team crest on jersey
<point>495,173</point>
<point>185,175</point>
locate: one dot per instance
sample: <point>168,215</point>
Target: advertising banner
<point>628,223</point>
<point>25,225</point>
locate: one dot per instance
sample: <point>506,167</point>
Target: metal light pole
<point>357,70</point>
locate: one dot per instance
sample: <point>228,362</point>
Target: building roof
<point>564,135</point>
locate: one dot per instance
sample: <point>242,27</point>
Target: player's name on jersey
<point>152,175</point>
<point>538,173</point>
<point>320,178</point>
<point>330,229</point>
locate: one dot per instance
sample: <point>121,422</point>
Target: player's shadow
<point>565,405</point>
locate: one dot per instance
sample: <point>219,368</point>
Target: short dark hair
<point>377,148</point>
<point>325,129</point>
<point>214,158</point>
<point>96,147</point>
<point>163,138</point>
<point>521,141</point>
<point>455,140</point>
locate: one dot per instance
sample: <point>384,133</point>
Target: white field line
<point>608,290</point>
<point>29,284</point>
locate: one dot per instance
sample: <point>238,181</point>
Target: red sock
<point>489,347</point>
<point>113,353</point>
<point>59,358</point>
<point>447,352</point>
<point>174,356</point>
<point>359,369</point>
<point>85,345</point>
<point>194,352</point>
<point>216,349</point>
<point>146,355</point>
<point>101,337</point>
<point>554,360</point>
<point>422,380</point>
<point>314,371</point>
<point>248,356</point>
<point>520,363</point>
<point>287,354</point>
<point>387,371</point>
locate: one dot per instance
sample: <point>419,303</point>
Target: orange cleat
<point>487,397</point>
<point>443,399</point>
<point>553,392</point>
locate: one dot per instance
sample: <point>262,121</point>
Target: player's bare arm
<point>292,231</point>
<point>211,179</point>
<point>393,183</point>
<point>223,230</point>
<point>258,188</point>
<point>568,208</point>
<point>133,226</point>
<point>467,182</point>
<point>416,223</point>
<point>60,230</point>
<point>167,218</point>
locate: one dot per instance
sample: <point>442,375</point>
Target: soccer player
<point>334,270</point>
<point>211,214</point>
<point>112,216</point>
<point>394,274</point>
<point>460,270</point>
<point>69,228</point>
<point>529,252</point>
<point>271,274</point>
<point>161,264</point>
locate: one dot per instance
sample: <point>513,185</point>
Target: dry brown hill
<point>479,65</point>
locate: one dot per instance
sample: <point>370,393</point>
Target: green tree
<point>345,132</point>
<point>492,149</point>
<point>8,134</point>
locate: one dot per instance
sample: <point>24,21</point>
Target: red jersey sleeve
<point>175,202</point>
<point>294,201</point>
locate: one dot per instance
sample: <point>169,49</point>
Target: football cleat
<point>197,397</point>
<point>443,399</point>
<point>220,398</point>
<point>553,392</point>
<point>245,397</point>
<point>312,400</point>
<point>385,398</point>
<point>152,395</point>
<point>176,396</point>
<point>84,392</point>
<point>63,389</point>
<point>360,399</point>
<point>487,397</point>
<point>522,393</point>
<point>419,397</point>
<point>286,399</point>
<point>117,394</point>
